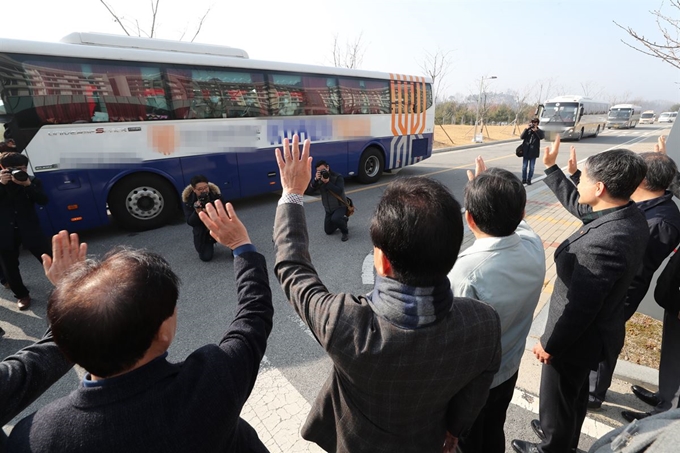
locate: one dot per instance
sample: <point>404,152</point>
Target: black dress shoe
<point>645,395</point>
<point>536,426</point>
<point>594,403</point>
<point>522,446</point>
<point>631,415</point>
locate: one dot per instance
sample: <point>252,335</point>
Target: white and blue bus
<point>572,117</point>
<point>117,126</point>
<point>624,116</point>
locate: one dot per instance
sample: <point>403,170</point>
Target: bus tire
<point>597,132</point>
<point>142,201</point>
<point>580,135</point>
<point>371,166</point>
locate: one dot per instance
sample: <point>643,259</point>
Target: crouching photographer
<point>19,223</point>
<point>331,186</point>
<point>195,197</point>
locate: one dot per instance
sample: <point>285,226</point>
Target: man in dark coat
<point>532,137</point>
<point>411,362</point>
<point>19,223</point>
<point>663,219</point>
<point>133,399</point>
<point>331,186</point>
<point>595,267</point>
<point>195,197</point>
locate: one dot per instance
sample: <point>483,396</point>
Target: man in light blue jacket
<point>505,267</point>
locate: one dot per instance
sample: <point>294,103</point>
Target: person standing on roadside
<point>532,137</point>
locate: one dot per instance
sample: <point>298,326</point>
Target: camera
<point>18,174</point>
<point>325,174</point>
<point>204,199</point>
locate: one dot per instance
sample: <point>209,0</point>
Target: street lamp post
<point>479,100</point>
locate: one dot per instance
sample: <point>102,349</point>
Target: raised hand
<point>295,167</point>
<point>551,152</point>
<point>660,146</point>
<point>66,251</point>
<point>572,166</point>
<point>225,227</point>
<point>480,167</point>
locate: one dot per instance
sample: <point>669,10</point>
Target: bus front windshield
<point>647,115</point>
<point>560,112</point>
<point>621,114</point>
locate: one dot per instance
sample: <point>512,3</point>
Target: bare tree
<point>621,98</point>
<point>668,49</point>
<point>133,22</point>
<point>591,89</point>
<point>351,56</point>
<point>436,66</point>
<point>520,98</point>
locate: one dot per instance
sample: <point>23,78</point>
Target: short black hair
<point>620,170</point>
<point>12,159</point>
<point>496,200</point>
<point>105,314</point>
<point>320,163</point>
<point>661,171</point>
<point>418,226</point>
<point>198,178</point>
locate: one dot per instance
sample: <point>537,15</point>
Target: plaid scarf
<point>410,307</point>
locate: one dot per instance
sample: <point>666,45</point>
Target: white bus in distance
<point>624,116</point>
<point>667,117</point>
<point>648,117</point>
<point>572,116</point>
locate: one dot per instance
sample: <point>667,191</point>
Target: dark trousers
<point>528,162</point>
<point>601,379</point>
<point>9,262</point>
<point>669,366</point>
<point>562,406</point>
<point>205,246</point>
<point>486,434</point>
<point>336,220</point>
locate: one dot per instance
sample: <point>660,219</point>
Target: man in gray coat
<point>595,266</point>
<point>411,362</point>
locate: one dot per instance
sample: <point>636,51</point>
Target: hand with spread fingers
<point>66,251</point>
<point>480,167</point>
<point>660,146</point>
<point>572,166</point>
<point>225,227</point>
<point>551,152</point>
<point>295,167</point>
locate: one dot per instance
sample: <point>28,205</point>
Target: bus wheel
<point>142,202</point>
<point>371,166</point>
<point>597,132</point>
<point>580,135</point>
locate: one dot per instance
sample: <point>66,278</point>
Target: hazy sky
<point>522,42</point>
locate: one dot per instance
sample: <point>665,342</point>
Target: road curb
<point>473,145</point>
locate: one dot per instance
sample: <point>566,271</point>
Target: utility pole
<point>479,100</point>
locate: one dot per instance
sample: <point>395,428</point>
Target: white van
<point>667,117</point>
<point>647,117</point>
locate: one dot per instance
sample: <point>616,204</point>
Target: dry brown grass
<point>462,135</point>
<point>643,341</point>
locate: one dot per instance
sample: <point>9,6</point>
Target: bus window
<point>286,95</point>
<point>365,96</point>
<point>321,95</point>
<point>200,93</point>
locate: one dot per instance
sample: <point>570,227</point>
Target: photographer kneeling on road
<point>195,197</point>
<point>331,185</point>
<point>19,224</point>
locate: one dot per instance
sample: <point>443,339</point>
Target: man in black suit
<point>595,266</point>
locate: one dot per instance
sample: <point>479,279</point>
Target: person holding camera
<point>331,186</point>
<point>195,197</point>
<point>532,137</point>
<point>19,223</point>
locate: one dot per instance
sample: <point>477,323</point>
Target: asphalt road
<point>207,298</point>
